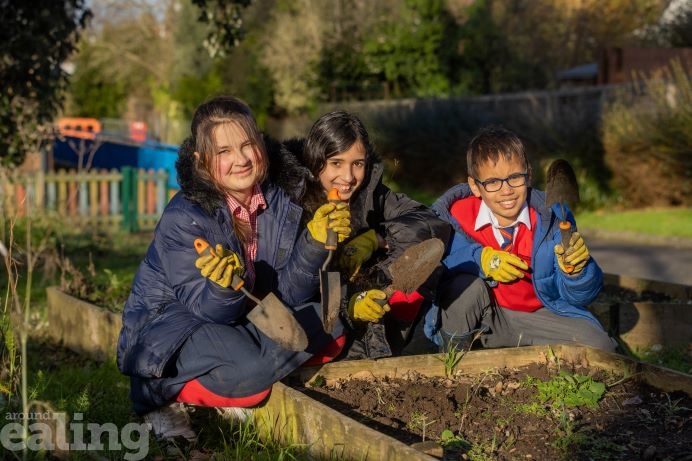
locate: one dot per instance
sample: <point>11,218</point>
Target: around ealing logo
<point>49,432</point>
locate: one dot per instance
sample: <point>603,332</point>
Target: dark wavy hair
<point>331,134</point>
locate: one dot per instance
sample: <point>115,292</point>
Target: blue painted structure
<point>116,152</point>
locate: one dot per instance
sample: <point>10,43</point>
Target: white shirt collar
<point>485,217</point>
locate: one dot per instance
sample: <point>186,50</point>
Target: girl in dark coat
<point>185,336</point>
<point>384,223</point>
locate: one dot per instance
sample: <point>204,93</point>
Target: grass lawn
<point>658,222</point>
<point>664,222</point>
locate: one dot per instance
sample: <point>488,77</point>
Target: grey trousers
<point>467,304</point>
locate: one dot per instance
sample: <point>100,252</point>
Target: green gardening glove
<point>356,252</point>
<point>575,258</point>
<point>335,216</point>
<point>219,265</point>
<point>368,306</point>
<point>502,266</point>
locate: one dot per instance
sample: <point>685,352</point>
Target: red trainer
<point>405,307</point>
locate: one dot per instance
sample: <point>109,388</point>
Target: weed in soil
<point>535,412</point>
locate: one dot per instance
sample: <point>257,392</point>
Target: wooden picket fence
<point>129,199</point>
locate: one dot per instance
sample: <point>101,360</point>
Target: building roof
<point>583,72</point>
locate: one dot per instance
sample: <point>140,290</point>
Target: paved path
<point>667,263</point>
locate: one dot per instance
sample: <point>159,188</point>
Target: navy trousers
<point>231,360</point>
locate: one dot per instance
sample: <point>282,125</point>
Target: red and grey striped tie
<point>507,234</point>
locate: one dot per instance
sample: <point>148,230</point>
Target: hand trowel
<point>270,315</point>
<point>330,282</point>
<point>561,188</point>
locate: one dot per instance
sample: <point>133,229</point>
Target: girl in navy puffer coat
<point>185,336</point>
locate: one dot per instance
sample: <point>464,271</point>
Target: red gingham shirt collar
<point>249,215</point>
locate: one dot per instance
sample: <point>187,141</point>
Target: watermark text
<point>49,431</point>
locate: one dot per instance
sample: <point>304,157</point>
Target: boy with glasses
<point>509,281</point>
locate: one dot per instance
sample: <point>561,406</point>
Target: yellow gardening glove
<point>358,251</point>
<point>335,216</point>
<point>220,265</point>
<point>574,259</point>
<point>369,306</point>
<point>502,266</point>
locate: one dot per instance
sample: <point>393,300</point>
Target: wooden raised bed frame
<point>292,417</point>
<point>641,325</point>
<point>290,414</point>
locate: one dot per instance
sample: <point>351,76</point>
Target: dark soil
<point>499,416</point>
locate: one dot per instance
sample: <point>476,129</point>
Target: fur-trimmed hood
<point>284,171</point>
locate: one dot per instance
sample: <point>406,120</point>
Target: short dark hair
<point>491,143</point>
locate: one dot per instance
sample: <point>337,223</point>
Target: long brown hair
<point>218,111</point>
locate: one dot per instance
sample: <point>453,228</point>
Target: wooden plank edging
<point>295,418</point>
<point>81,326</point>
<point>483,361</point>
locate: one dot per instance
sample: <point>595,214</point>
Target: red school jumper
<point>518,295</point>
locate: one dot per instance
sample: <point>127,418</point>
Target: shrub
<point>423,141</point>
<point>647,137</point>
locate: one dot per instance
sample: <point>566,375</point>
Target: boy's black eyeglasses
<point>495,184</point>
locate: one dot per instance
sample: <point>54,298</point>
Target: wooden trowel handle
<point>566,236</point>
<point>237,283</point>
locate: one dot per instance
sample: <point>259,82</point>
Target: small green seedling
<point>451,357</point>
<point>420,420</point>
<point>449,440</point>
<point>318,381</point>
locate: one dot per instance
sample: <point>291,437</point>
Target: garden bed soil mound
<point>499,415</point>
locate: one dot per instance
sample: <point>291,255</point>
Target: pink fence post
<point>20,197</point>
<point>151,192</point>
